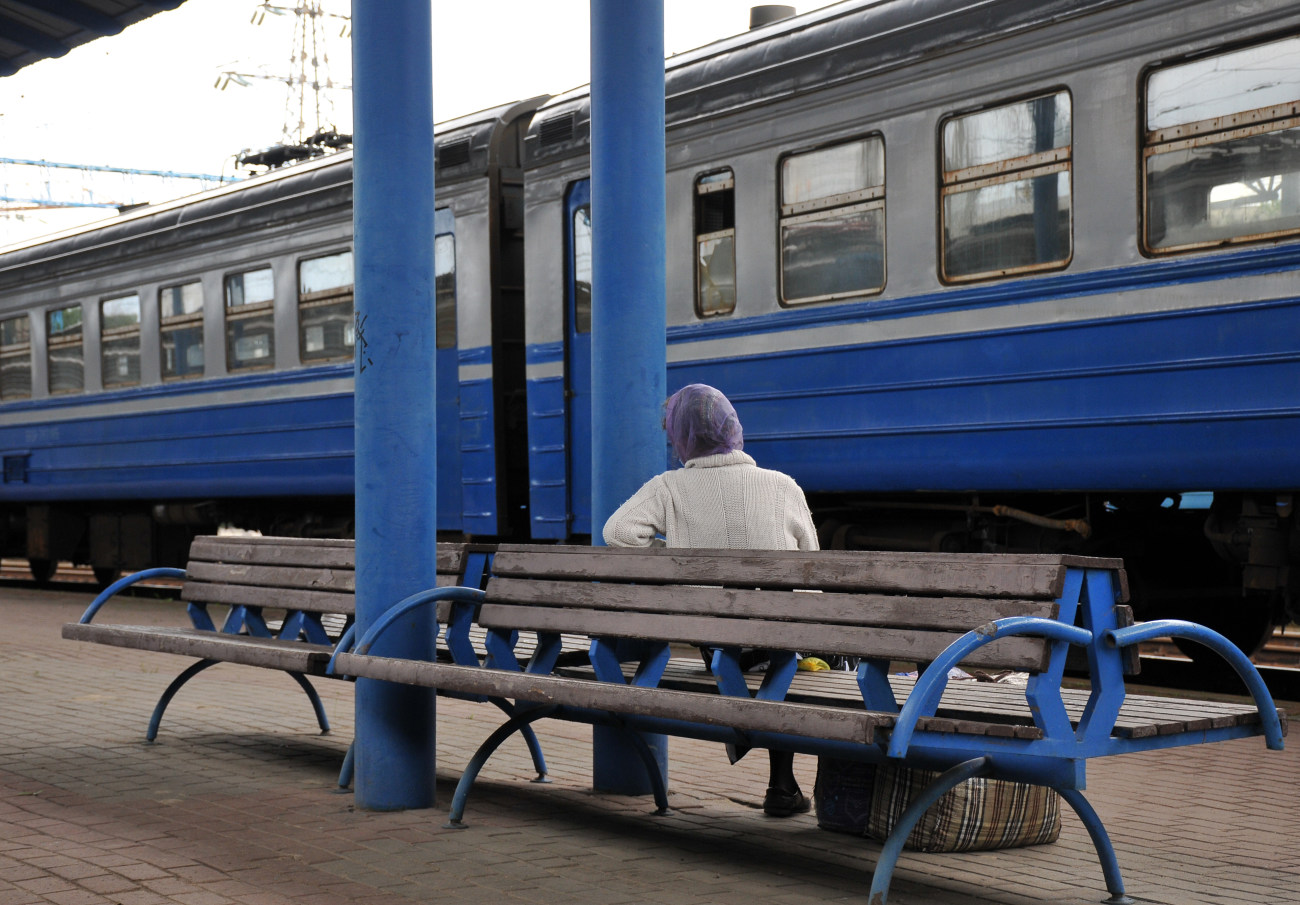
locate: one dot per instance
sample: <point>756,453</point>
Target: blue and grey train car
<point>999,275</point>
<point>191,363</point>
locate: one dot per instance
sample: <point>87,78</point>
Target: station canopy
<point>35,30</point>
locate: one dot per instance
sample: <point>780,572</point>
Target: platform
<point>236,803</point>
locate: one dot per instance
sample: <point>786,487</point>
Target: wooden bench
<point>286,601</point>
<point>1025,613</point>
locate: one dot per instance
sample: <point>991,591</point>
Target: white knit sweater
<point>722,502</point>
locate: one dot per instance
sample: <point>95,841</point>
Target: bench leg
<point>194,669</point>
<point>156,719</point>
<point>476,763</point>
<point>530,739</point>
<point>1100,840</point>
<point>349,760</point>
<point>316,705</point>
<point>884,871</point>
<point>651,764</point>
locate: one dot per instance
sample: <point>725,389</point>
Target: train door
<point>447,365</point>
<point>577,363</point>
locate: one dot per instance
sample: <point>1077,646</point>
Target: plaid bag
<point>977,815</point>
<point>842,794</point>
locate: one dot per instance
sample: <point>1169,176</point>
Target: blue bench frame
<point>1057,759</point>
<point>298,625</point>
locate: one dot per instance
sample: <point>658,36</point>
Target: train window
<point>67,371</point>
<point>16,358</point>
<point>833,222</point>
<point>715,244</point>
<point>1006,199</point>
<point>1222,149</point>
<point>326,327</point>
<point>250,320</point>
<point>582,270</point>
<point>119,340</point>
<point>444,269</point>
<point>180,320</point>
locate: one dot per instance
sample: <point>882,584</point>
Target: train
<point>981,275</point>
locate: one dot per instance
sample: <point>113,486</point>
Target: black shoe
<point>780,803</point>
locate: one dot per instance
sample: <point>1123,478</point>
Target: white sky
<point>145,99</point>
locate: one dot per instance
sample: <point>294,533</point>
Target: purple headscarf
<point>701,422</point>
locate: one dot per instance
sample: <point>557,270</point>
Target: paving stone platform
<point>237,803</point>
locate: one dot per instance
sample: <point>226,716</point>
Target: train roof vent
<point>454,154</point>
<point>556,129</point>
<point>768,13</point>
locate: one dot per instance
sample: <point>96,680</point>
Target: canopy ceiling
<point>35,30</point>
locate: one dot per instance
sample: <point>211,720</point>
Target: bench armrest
<point>416,600</point>
<point>925,696</point>
<point>126,583</point>
<point>1178,628</point>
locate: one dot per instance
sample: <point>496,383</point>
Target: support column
<point>628,347</point>
<point>396,467</point>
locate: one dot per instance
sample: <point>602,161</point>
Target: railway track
<point>72,578</point>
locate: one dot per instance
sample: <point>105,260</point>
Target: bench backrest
<point>307,575</point>
<point>886,606</point>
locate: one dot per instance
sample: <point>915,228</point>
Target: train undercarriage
<point>1226,560</point>
<point>128,536</point>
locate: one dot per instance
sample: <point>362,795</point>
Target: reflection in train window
<point>582,270</point>
<point>250,320</point>
<point>16,358</point>
<point>326,328</point>
<point>180,320</point>
<point>833,222</point>
<point>444,268</point>
<point>119,340</point>
<point>1223,149</point>
<point>715,244</point>
<point>67,372</point>
<point>1006,189</point>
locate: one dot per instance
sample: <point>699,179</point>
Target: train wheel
<point>105,576</point>
<point>1247,624</point>
<point>42,569</point>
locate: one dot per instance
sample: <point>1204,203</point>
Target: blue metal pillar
<point>628,347</point>
<point>396,504</point>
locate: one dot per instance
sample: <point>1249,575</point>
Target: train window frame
<point>119,345</point>
<point>986,174</point>
<point>841,204</point>
<point>714,197</point>
<point>65,339</point>
<point>171,326</point>
<point>581,301</point>
<point>314,310</point>
<point>16,354</point>
<point>1221,130</point>
<point>445,288</point>
<point>238,314</point>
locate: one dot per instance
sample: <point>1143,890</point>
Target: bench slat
<point>274,577</point>
<point>1000,575</point>
<point>1142,716</point>
<point>949,614</point>
<point>271,653</point>
<point>272,598</point>
<point>745,714</point>
<point>309,552</point>
<point>894,644</point>
<point>277,551</point>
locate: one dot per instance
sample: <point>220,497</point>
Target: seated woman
<point>719,499</point>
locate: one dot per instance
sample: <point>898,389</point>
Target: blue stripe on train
<point>1205,399</point>
<point>211,438</point>
<point>477,447</point>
